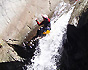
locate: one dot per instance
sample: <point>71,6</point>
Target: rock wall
<point>75,53</point>
<point>17,14</point>
<point>80,7</point>
<point>17,19</point>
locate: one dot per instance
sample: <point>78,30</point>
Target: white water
<point>47,50</point>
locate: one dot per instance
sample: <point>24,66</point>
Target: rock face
<point>17,19</point>
<point>75,54</point>
<point>17,15</point>
<point>12,66</point>
<point>80,7</point>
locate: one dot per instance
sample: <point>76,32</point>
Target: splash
<point>47,51</point>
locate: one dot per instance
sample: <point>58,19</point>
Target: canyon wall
<point>17,19</point>
<point>75,53</point>
<point>17,15</point>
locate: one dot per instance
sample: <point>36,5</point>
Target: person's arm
<point>38,22</point>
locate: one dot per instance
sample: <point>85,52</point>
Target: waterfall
<point>47,51</point>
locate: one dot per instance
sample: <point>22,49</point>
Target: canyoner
<point>46,56</point>
<point>42,31</point>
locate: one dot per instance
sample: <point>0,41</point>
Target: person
<point>47,25</point>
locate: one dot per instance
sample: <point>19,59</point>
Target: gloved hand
<point>36,20</point>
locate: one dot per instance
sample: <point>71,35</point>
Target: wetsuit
<point>47,26</point>
<point>46,23</point>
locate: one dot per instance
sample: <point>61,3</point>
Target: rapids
<point>49,50</point>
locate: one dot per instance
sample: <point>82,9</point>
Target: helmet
<point>44,16</point>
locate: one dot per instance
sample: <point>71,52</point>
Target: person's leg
<point>40,31</point>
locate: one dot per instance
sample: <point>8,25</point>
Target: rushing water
<point>47,50</point>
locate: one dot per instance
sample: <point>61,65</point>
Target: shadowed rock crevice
<point>75,54</point>
<point>24,51</point>
<point>12,66</point>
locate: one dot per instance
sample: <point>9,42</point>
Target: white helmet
<point>44,16</point>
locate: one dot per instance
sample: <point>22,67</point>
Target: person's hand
<point>36,20</point>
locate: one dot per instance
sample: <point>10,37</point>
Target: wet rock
<point>75,53</point>
<point>16,65</point>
